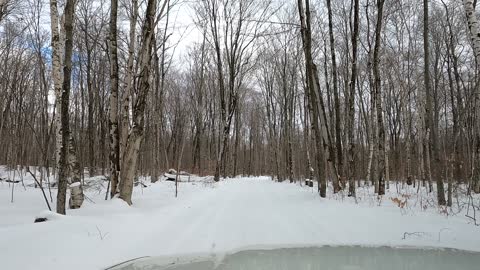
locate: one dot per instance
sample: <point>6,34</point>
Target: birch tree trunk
<point>373,131</point>
<point>371,126</point>
<point>125,123</point>
<point>65,94</point>
<point>378,92</point>
<point>57,75</point>
<point>76,190</point>
<point>113,120</point>
<point>474,28</point>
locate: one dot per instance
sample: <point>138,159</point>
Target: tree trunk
<point>223,138</point>
<point>129,164</point>
<point>237,142</point>
<point>373,132</point>
<point>311,85</point>
<point>67,70</point>
<point>90,128</point>
<point>57,77</point>
<point>378,92</point>
<point>76,190</point>
<point>338,139</point>
<point>113,117</point>
<point>475,37</point>
<point>351,103</point>
<point>129,83</point>
<point>429,123</point>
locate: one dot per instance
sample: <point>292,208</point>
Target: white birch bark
<point>57,75</point>
<point>113,113</point>
<point>129,81</point>
<point>474,28</point>
<point>76,190</point>
<point>58,45</point>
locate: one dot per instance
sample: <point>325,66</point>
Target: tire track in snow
<point>204,222</point>
<point>170,231</point>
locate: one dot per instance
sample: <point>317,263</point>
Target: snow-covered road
<point>209,219</point>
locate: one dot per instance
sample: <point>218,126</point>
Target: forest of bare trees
<point>348,93</point>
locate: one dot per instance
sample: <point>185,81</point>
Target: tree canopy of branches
<point>349,93</point>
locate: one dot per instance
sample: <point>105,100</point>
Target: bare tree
<point>113,120</point>
<point>378,98</point>
<point>312,85</point>
<point>431,143</point>
<point>129,162</point>
<point>233,28</point>
<point>351,101</point>
<point>338,131</point>
<point>63,93</point>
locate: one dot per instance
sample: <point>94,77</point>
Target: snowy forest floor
<point>214,218</point>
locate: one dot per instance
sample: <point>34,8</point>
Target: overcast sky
<point>184,31</point>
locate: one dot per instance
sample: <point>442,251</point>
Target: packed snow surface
<point>212,218</point>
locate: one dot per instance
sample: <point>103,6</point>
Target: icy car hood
<point>321,258</point>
